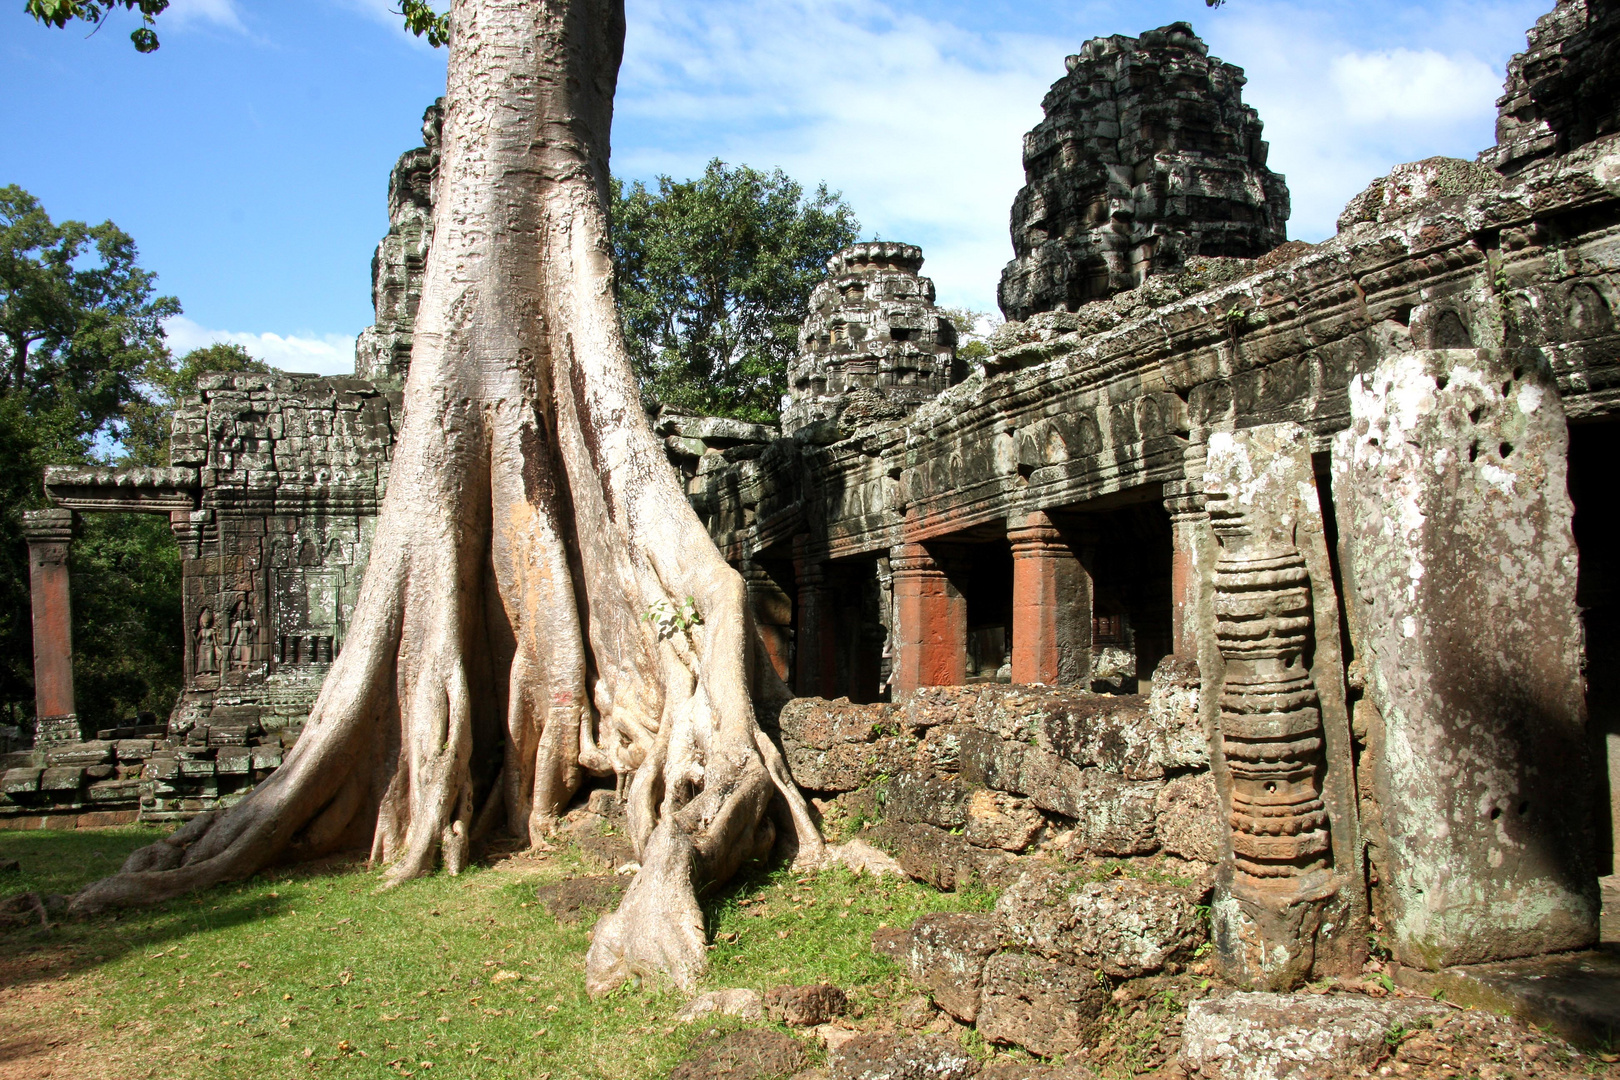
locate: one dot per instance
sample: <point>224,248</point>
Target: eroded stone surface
<point>1123,926</point>
<point>1461,571</point>
<point>900,1057</point>
<point>1294,1036</point>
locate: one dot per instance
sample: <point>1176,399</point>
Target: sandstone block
<point>1123,926</point>
<point>1188,818</point>
<point>20,781</point>
<point>998,820</point>
<point>934,856</point>
<point>80,754</point>
<point>61,778</point>
<point>919,796</point>
<point>1294,1036</point>
<point>900,1057</point>
<point>1046,1006</point>
<point>1456,520</point>
<point>805,1006</point>
<point>946,956</point>
<point>749,1054</point>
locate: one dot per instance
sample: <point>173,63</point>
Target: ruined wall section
<point>292,470</point>
<point>1147,157</point>
<point>382,352</point>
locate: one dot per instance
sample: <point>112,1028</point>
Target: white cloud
<point>918,123</point>
<point>1421,88</point>
<point>1338,116</point>
<point>329,354</point>
<point>222,13</point>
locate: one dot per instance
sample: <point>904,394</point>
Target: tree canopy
<point>714,277</point>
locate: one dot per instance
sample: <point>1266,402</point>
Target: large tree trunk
<point>500,646</point>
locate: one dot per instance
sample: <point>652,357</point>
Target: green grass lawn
<point>313,972</point>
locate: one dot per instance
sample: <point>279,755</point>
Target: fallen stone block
<point>61,778</point>
<point>739,1002</point>
<point>900,1057</point>
<point>939,858</point>
<point>1124,927</point>
<point>20,781</point>
<point>1187,818</point>
<point>998,820</point>
<point>862,858</point>
<point>805,1006</point>
<point>946,956</point>
<point>919,796</point>
<point>1046,1006</point>
<point>1295,1036</point>
<point>749,1054</point>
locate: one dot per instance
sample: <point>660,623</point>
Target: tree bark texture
<point>500,647</point>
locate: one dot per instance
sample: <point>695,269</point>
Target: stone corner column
<point>930,622</point>
<point>815,669</point>
<point>49,534</point>
<point>1189,554</point>
<point>1051,605</point>
<point>773,617</point>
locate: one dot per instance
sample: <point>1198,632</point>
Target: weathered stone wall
<point>1147,157</point>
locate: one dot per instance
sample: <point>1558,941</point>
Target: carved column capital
<point>49,526</point>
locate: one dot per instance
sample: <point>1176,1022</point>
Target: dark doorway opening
<point>1592,449</point>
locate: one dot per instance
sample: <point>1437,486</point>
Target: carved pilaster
<point>1287,904</point>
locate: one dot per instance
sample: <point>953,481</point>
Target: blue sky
<point>249,156</point>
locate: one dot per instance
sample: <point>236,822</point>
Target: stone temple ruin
<point>1290,564</point>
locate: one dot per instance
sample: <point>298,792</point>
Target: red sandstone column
<point>816,666</point>
<point>773,615</point>
<point>1051,608</point>
<point>49,533</point>
<point>930,614</point>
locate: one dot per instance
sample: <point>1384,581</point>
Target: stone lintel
<point>124,490</point>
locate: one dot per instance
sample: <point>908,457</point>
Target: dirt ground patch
<point>43,1034</point>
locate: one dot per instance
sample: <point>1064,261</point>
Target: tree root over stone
<point>500,648</point>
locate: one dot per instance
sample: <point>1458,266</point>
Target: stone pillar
<point>773,616</point>
<point>930,635</point>
<point>1184,502</point>
<point>1051,607</point>
<point>1460,561</point>
<point>49,533</point>
<point>816,667</point>
<point>1289,902</point>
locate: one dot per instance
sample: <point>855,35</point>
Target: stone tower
<point>873,340</point>
<point>382,352</point>
<point>1147,156</point>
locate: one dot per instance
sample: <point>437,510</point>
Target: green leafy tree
<point>972,345</point>
<point>81,347</point>
<point>80,326</point>
<point>714,278</point>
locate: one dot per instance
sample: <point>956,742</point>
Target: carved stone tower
<point>382,353</point>
<point>1147,156</point>
<point>873,340</point>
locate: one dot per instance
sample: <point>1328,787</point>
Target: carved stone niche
<point>1459,563</point>
<point>1289,900</point>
